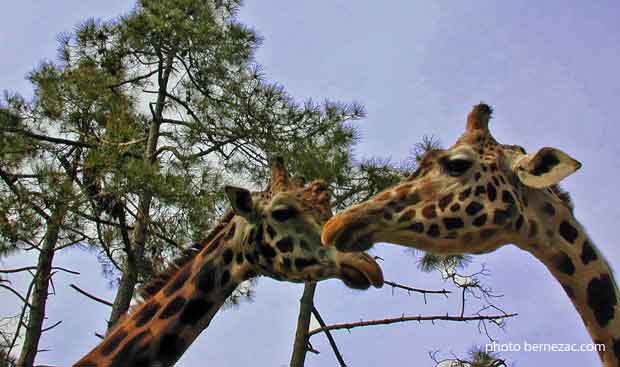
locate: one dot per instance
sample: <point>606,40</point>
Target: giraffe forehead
<point>308,201</point>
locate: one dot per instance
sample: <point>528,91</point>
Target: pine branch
<point>50,139</point>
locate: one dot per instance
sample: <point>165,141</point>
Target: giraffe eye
<point>457,167</point>
<point>283,214</point>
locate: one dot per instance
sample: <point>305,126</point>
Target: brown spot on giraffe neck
<point>195,310</point>
<point>146,313</point>
<point>227,256</point>
<point>429,211</point>
<point>178,281</point>
<point>132,353</point>
<point>205,279</point>
<point>588,253</point>
<point>616,347</point>
<point>548,209</point>
<point>172,308</point>
<point>170,347</point>
<point>563,263</point>
<point>568,232</point>
<point>602,299</point>
<point>113,343</point>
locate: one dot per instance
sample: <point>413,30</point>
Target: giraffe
<point>275,233</point>
<point>479,195</point>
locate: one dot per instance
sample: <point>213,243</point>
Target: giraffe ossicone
<point>479,195</point>
<point>275,233</point>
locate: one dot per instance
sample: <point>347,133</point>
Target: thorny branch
<point>352,325</point>
<point>417,290</point>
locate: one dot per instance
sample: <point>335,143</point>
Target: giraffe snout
<point>348,233</point>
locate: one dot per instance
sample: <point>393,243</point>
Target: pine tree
<point>131,135</point>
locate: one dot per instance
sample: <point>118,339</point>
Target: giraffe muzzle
<point>360,271</point>
<point>348,233</point>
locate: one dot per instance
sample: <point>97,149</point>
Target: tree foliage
<point>133,131</point>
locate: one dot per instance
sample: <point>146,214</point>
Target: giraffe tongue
<point>360,271</point>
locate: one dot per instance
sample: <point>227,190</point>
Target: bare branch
<point>16,293</point>
<point>329,336</point>
<point>403,318</point>
<point>21,318</point>
<point>51,327</point>
<point>418,290</point>
<point>18,270</point>
<point>100,300</point>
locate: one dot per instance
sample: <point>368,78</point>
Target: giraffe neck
<point>560,242</point>
<point>160,330</point>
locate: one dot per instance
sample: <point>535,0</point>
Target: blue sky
<point>550,72</point>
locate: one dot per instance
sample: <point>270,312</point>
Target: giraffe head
<point>469,198</point>
<point>283,235</point>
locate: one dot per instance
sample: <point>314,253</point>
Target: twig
<point>311,349</point>
<point>17,294</point>
<point>100,300</point>
<point>352,325</point>
<point>329,336</point>
<point>8,271</point>
<point>51,327</point>
<point>21,318</point>
<point>417,290</point>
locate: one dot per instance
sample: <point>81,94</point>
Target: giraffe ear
<point>240,200</point>
<point>545,168</point>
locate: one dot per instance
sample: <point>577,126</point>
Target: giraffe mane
<point>563,195</point>
<point>147,290</point>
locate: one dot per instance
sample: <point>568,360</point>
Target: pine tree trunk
<point>36,314</point>
<point>136,248</point>
<point>306,303</point>
<point>128,280</point>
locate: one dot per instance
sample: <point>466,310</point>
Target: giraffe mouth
<point>361,271</point>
